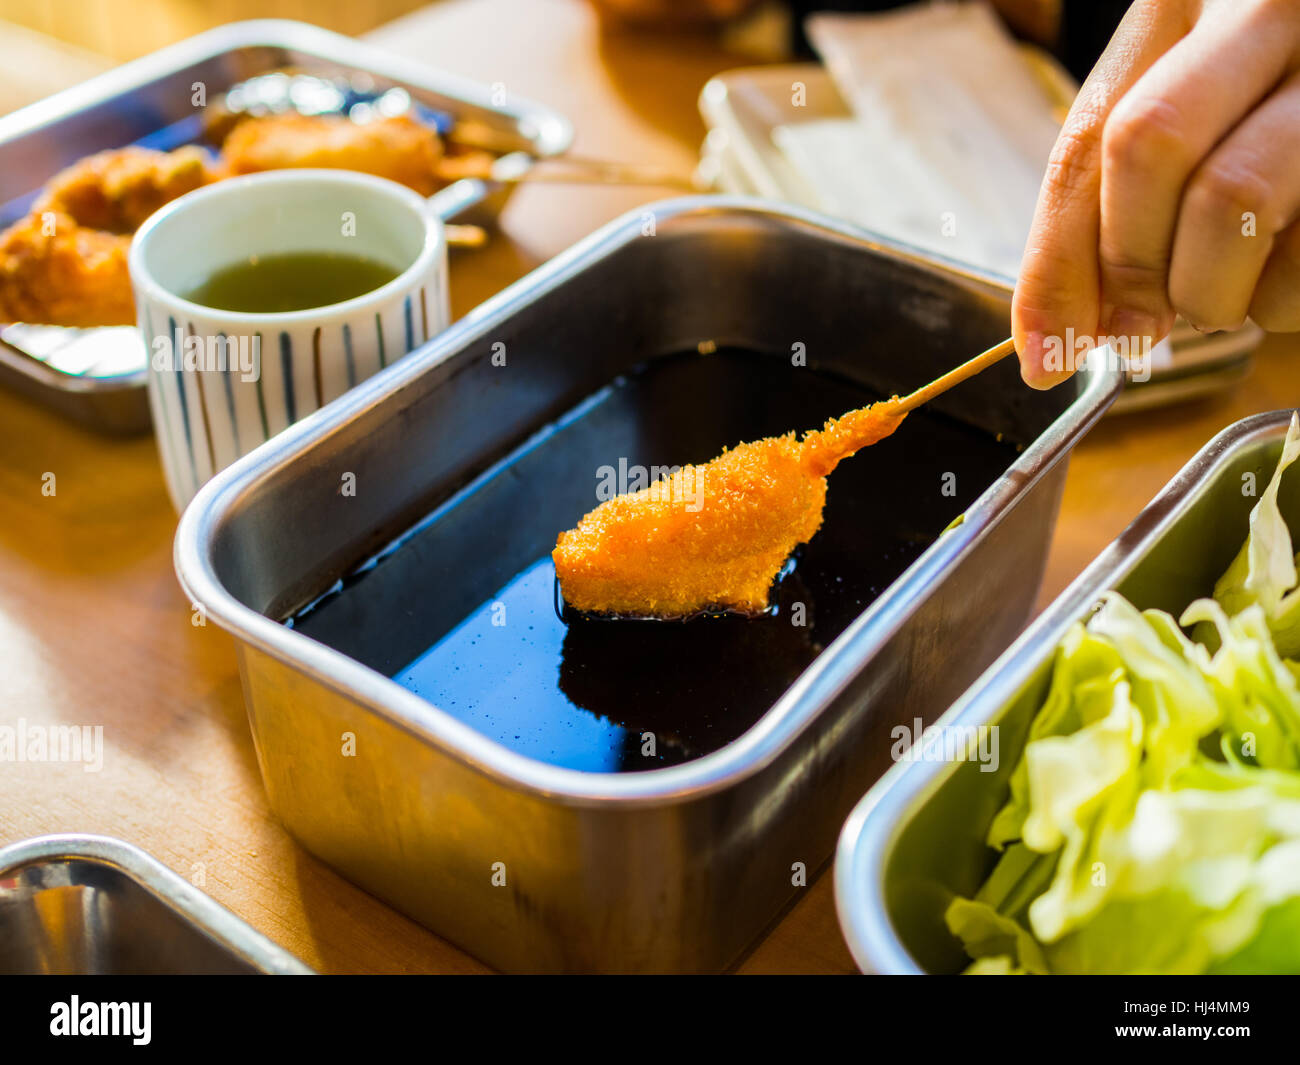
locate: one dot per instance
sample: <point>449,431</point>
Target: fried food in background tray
<point>117,190</point>
<point>398,148</point>
<point>55,271</point>
<point>65,263</point>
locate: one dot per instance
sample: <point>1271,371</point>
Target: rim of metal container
<point>874,826</point>
<point>198,909</point>
<point>552,132</point>
<point>801,703</point>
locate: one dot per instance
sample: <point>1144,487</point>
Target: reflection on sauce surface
<point>462,609</point>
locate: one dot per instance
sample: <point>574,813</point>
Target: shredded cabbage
<point>1153,824</point>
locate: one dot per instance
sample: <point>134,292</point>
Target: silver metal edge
<point>554,131</point>
<point>825,679</point>
<point>187,901</point>
<point>874,826</point>
<point>17,361</point>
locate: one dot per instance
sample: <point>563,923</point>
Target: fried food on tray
<point>398,148</point>
<point>65,263</point>
<point>711,537</point>
<point>117,190</point>
<point>56,272</point>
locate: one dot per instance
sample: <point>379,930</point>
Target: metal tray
<point>148,101</point>
<point>917,838</point>
<point>677,868</point>
<point>91,905</point>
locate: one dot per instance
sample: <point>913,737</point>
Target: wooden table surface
<point>95,631</point>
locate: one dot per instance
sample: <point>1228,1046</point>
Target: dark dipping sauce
<point>583,693</point>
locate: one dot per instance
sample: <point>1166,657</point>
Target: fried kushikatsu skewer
<point>398,148</point>
<point>65,263</point>
<point>713,537</point>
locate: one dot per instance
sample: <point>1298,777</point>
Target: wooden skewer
<point>823,449</point>
<point>648,178</point>
<point>955,377</point>
<point>464,236</point>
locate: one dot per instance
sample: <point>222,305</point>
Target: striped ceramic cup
<point>222,382</point>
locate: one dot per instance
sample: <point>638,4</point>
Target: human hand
<point>1174,187</point>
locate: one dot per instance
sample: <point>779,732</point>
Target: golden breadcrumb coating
<point>398,148</point>
<point>842,437</point>
<point>54,272</point>
<point>66,262</point>
<point>712,537</point>
<point>117,190</point>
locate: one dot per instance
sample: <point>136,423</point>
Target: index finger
<point>1058,293</point>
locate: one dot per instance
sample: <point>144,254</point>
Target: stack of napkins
<point>950,134</point>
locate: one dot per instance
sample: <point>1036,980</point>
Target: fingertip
<point>1029,350</point>
<point>1047,381</point>
<point>1037,368</point>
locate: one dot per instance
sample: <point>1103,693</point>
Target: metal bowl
<point>677,868</point>
<point>917,838</point>
<point>89,905</point>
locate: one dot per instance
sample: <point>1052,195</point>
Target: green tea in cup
<point>290,281</point>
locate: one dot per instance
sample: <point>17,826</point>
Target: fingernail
<point>1031,358</point>
<point>1034,370</point>
<point>1134,324</point>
